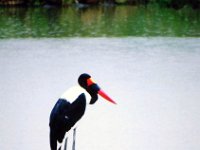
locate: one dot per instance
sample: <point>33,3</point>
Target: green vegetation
<point>99,21</point>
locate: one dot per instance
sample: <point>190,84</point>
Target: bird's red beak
<point>101,92</point>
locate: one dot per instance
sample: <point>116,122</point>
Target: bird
<point>70,108</point>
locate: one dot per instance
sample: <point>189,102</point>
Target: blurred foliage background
<point>177,4</point>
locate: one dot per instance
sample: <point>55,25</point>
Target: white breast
<point>72,93</point>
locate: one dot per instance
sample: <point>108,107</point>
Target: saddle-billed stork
<point>66,114</point>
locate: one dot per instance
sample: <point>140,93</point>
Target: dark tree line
<point>177,4</point>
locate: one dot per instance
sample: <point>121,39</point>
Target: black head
<point>85,81</point>
<point>82,80</point>
<point>92,88</point>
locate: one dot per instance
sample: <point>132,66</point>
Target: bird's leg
<point>65,146</point>
<point>74,139</point>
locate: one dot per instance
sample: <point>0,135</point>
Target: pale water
<point>155,81</point>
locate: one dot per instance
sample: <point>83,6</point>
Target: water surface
<point>155,81</point>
